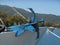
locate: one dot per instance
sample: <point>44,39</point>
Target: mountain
<point>48,17</point>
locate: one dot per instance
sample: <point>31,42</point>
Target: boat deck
<point>27,38</point>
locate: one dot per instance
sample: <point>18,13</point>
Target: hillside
<point>48,17</point>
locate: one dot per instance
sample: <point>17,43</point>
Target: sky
<point>39,6</point>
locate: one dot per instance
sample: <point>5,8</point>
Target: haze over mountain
<point>48,17</point>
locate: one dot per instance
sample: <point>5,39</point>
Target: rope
<point>53,34</point>
<point>18,12</point>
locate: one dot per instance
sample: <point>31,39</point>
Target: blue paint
<point>42,20</point>
<point>33,19</point>
<point>19,29</point>
<point>13,28</point>
<point>30,28</point>
<point>19,32</point>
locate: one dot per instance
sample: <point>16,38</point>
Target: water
<point>50,39</point>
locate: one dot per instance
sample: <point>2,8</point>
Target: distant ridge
<point>48,17</point>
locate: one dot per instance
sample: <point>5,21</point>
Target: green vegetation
<point>10,19</point>
<point>49,24</point>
